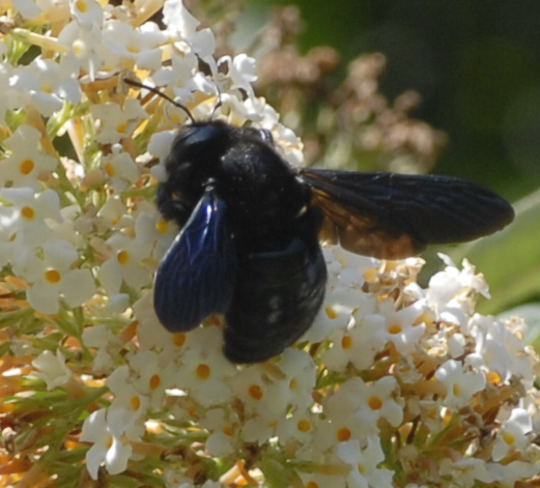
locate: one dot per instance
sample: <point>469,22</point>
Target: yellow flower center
<point>46,87</point>
<point>343,434</point>
<point>255,392</point>
<point>28,213</point>
<point>202,371</point>
<point>53,276</point>
<point>179,339</point>
<point>304,425</point>
<point>395,329</point>
<point>346,342</point>
<point>121,128</point>
<point>109,169</point>
<point>27,166</point>
<point>375,403</point>
<point>155,381</point>
<point>123,257</point>
<point>331,312</point>
<point>509,438</point>
<point>135,402</point>
<point>493,377</point>
<point>162,226</point>
<point>79,48</point>
<point>82,6</point>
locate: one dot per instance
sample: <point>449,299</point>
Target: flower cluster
<point>393,385</point>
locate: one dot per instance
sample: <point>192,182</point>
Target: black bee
<point>251,224</point>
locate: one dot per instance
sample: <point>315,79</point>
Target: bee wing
<point>197,274</point>
<point>393,216</point>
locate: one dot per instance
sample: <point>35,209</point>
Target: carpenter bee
<point>249,245</point>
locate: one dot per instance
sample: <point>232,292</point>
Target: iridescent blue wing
<point>197,274</point>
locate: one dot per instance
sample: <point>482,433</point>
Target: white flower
<point>120,168</point>
<point>52,369</point>
<point>126,412</point>
<point>364,464</point>
<point>151,375</point>
<point>499,349</point>
<point>513,435</point>
<point>466,472</point>
<point>26,220</point>
<point>179,77</point>
<point>53,278</point>
<point>127,264</point>
<point>26,163</point>
<point>402,328</point>
<point>139,45</point>
<point>367,403</point>
<point>358,344</point>
<point>111,450</point>
<point>205,370</point>
<point>87,12</point>
<point>299,427</point>
<point>47,84</point>
<point>86,49</point>
<point>181,23</point>
<point>336,313</point>
<point>117,122</point>
<point>460,381</point>
<point>241,70</point>
<point>222,432</point>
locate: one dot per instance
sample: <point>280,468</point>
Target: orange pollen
<point>135,402</point>
<point>304,425</point>
<point>227,430</point>
<point>123,257</point>
<point>343,434</point>
<point>53,276</point>
<point>121,128</point>
<point>312,484</point>
<point>27,166</point>
<point>255,392</point>
<point>162,226</point>
<point>109,169</point>
<point>179,339</point>
<point>202,371</point>
<point>375,403</point>
<point>331,312</point>
<point>155,381</point>
<point>395,329</point>
<point>346,342</point>
<point>28,213</point>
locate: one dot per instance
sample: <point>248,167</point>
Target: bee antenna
<point>163,95</point>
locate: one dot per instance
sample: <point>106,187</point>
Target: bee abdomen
<point>276,298</point>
